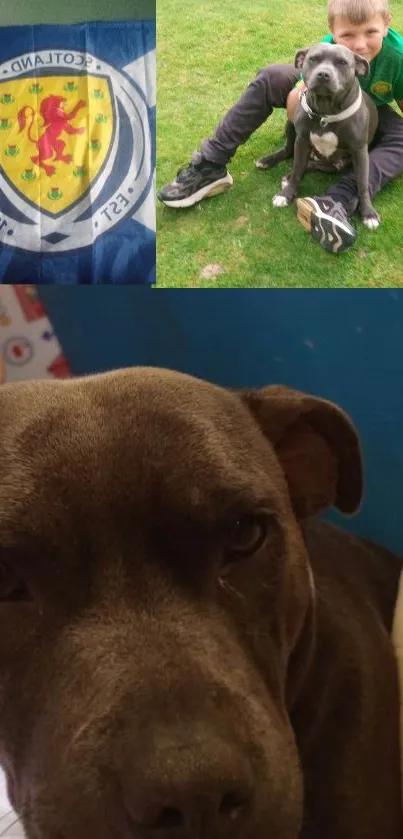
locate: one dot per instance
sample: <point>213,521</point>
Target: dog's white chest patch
<point>326,143</point>
<point>397,638</point>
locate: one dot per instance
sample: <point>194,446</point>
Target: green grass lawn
<point>207,54</point>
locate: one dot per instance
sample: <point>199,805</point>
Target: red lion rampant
<point>55,122</point>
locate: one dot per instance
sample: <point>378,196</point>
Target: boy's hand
<point>292,101</point>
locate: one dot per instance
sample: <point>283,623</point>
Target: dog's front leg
<point>289,186</point>
<point>368,213</point>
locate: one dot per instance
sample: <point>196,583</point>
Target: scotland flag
<point>77,153</point>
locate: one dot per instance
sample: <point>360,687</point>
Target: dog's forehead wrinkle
<point>84,412</point>
<point>329,50</point>
<point>174,440</point>
<point>114,443</point>
<point>325,60</point>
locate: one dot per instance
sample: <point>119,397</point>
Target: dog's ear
<point>361,65</point>
<point>316,444</point>
<point>300,57</point>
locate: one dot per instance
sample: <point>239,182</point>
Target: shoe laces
<point>189,169</point>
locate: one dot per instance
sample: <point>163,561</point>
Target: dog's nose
<point>192,813</point>
<point>195,808</point>
<point>323,74</point>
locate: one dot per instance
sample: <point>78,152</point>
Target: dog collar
<point>331,117</point>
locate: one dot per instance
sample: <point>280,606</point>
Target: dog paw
<point>372,221</point>
<point>263,163</point>
<point>284,181</point>
<point>280,201</point>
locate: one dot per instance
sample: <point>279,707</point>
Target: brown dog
<point>184,654</point>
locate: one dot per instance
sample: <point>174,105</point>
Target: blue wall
<point>343,345</point>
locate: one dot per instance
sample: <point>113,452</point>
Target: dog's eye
<point>11,586</point>
<point>246,535</point>
<point>342,61</point>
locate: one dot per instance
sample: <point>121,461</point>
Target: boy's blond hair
<point>357,11</point>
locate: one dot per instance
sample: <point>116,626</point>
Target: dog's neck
<point>324,107</point>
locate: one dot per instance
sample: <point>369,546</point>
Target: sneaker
<point>199,179</point>
<point>327,222</point>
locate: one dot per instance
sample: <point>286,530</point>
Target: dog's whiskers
<point>223,583</point>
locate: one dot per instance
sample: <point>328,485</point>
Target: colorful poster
<point>77,152</point>
<point>29,348</point>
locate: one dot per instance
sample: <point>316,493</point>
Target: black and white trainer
<point>197,180</point>
<point>327,222</point>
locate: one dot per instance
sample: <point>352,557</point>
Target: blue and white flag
<point>77,153</point>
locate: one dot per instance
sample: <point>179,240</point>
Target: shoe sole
<point>333,235</point>
<point>208,191</point>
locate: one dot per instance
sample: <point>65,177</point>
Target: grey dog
<point>185,651</point>
<point>335,121</point>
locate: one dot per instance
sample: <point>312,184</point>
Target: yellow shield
<point>55,136</point>
<point>382,88</point>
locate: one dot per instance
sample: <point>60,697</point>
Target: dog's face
<point>154,592</point>
<point>330,69</point>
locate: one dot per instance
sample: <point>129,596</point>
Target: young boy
<point>361,25</point>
